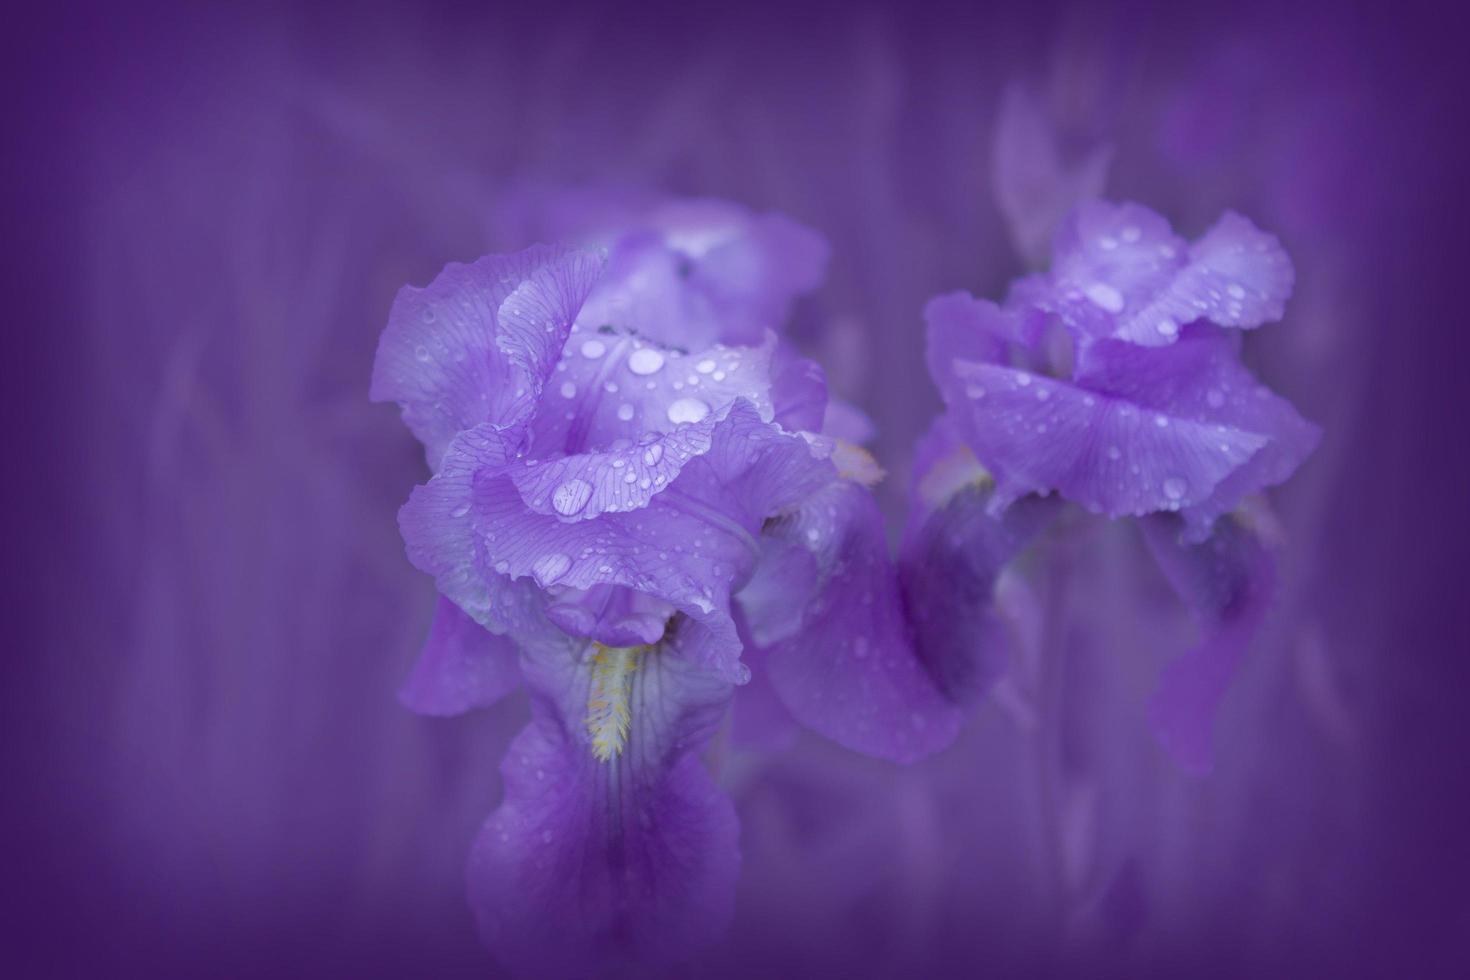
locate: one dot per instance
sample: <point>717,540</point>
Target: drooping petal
<point>612,843</point>
<point>953,553</point>
<point>476,344</point>
<point>849,672</point>
<point>1227,582</point>
<point>1033,187</point>
<point>463,666</point>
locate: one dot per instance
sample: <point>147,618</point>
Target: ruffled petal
<point>611,389</point>
<point>611,844</point>
<point>463,666</point>
<point>1110,261</point>
<point>1120,272</point>
<point>849,672</point>
<point>1237,276</point>
<point>1112,456</point>
<point>690,545</point>
<point>1201,379</point>
<point>476,344</point>
<point>441,538</point>
<point>1227,582</point>
<point>692,273</point>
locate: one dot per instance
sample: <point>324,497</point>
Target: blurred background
<point>207,770</point>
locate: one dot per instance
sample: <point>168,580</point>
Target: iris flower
<point>1112,381</point>
<point>624,519</point>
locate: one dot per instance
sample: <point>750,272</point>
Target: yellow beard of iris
<point>609,711</point>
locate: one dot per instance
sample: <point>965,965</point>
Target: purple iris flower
<point>626,520</point>
<point>1113,381</point>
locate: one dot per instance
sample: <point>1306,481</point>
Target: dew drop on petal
<point>687,410</point>
<point>571,496</point>
<point>1105,296</point>
<point>645,360</point>
<point>592,349</point>
<point>1174,488</point>
<point>568,390</point>
<point>1168,327</point>
<point>705,366</point>
<point>653,454</point>
<point>625,412</point>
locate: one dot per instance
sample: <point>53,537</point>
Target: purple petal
<point>953,553</point>
<point>1201,379</point>
<point>689,546</point>
<point>1119,271</point>
<point>691,273</point>
<point>1227,582</point>
<point>960,327</point>
<point>608,848</point>
<point>613,388</point>
<point>463,666</point>
<point>1237,276</point>
<point>476,344</point>
<point>441,538</point>
<point>850,672</point>
<point>1112,456</point>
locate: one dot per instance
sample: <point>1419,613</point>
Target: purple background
<point>207,771</point>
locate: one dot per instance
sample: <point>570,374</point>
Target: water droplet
<point>1235,290</point>
<point>653,454</point>
<point>571,496</point>
<point>1106,297</point>
<point>687,410</point>
<point>705,366</point>
<point>1108,243</point>
<point>1162,421</point>
<point>1168,327</point>
<point>548,568</point>
<point>422,353</point>
<point>592,349</point>
<point>625,412</point>
<point>645,360</point>
<point>461,510</point>
<point>974,391</point>
<point>1022,378</point>
<point>1042,394</point>
<point>568,390</point>
<point>1131,234</point>
<point>1174,488</point>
